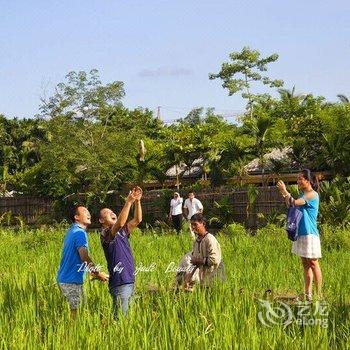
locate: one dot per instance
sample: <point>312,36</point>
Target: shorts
<point>73,293</point>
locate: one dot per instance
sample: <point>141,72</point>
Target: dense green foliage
<point>34,315</point>
<point>85,140</point>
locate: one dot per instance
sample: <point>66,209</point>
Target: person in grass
<point>307,245</point>
<point>114,236</point>
<point>175,213</point>
<point>183,269</point>
<point>192,206</point>
<point>75,260</point>
<point>206,253</point>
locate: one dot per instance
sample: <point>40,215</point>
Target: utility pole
<point>158,112</point>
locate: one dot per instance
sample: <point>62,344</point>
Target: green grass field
<point>34,315</point>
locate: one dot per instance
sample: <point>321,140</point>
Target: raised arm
<point>123,216</point>
<point>288,197</point>
<point>137,211</point>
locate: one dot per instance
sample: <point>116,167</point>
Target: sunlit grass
<point>34,315</point>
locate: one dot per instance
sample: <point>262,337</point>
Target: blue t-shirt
<point>308,222</point>
<point>119,257</point>
<point>72,268</point>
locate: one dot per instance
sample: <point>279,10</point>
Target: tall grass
<point>34,315</point>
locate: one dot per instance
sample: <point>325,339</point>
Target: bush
<point>272,229</point>
<point>234,229</point>
<point>335,202</point>
<point>335,238</point>
<point>221,212</point>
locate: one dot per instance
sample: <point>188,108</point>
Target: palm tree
<point>259,128</point>
<point>239,168</point>
<point>343,99</point>
<point>292,102</point>
<point>336,153</point>
<point>252,196</point>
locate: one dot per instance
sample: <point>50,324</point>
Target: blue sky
<point>164,50</point>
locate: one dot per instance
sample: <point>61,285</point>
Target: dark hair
<point>190,191</point>
<point>74,211</point>
<point>309,176</point>
<point>199,217</point>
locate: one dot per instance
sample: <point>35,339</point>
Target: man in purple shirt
<point>115,242</point>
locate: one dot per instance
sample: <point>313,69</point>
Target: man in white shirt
<point>192,206</point>
<point>175,213</point>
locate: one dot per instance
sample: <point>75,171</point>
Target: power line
<point>226,114</point>
<point>170,121</point>
<point>178,109</point>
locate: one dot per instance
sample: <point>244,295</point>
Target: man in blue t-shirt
<point>115,242</point>
<point>75,261</point>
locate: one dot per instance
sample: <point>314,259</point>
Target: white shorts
<point>308,246</point>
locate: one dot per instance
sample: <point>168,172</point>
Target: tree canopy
<point>85,140</point>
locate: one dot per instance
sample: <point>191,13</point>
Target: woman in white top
<point>175,213</point>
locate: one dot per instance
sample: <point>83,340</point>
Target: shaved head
<point>107,217</point>
<point>104,212</point>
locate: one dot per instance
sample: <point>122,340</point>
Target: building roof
<point>194,170</point>
<point>277,157</point>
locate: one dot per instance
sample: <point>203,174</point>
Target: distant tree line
<point>85,140</point>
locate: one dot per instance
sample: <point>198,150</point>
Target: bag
<point>294,216</point>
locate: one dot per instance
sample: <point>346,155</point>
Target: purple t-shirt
<point>119,257</point>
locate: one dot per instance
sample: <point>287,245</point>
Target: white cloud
<point>165,72</point>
